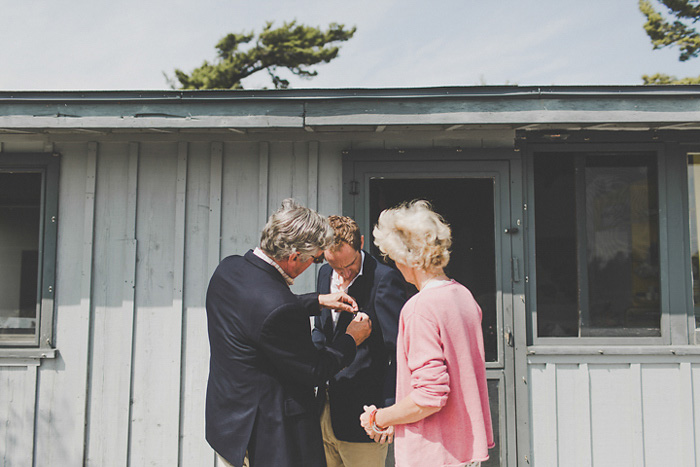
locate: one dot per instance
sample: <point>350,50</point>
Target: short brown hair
<point>346,231</point>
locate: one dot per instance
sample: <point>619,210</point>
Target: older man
<point>371,378</point>
<point>263,365</point>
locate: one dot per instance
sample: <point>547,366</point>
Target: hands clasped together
<point>369,423</point>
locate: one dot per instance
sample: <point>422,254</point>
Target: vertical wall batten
<point>86,279</point>
<point>129,296</point>
<point>583,410</point>
<point>637,413</point>
<point>216,172</point>
<point>312,196</point>
<point>263,189</point>
<point>687,428</point>
<point>179,276</point>
<point>215,213</point>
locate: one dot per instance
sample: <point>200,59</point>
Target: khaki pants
<point>223,462</point>
<point>346,454</point>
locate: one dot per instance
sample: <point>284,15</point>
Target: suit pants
<point>345,453</point>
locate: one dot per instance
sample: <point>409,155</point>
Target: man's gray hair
<point>295,228</point>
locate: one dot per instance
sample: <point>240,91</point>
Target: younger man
<point>371,377</point>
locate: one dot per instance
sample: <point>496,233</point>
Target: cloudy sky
<point>130,44</point>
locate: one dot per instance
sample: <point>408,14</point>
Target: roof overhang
<point>591,107</point>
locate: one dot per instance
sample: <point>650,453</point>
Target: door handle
<point>511,230</point>
<point>508,335</point>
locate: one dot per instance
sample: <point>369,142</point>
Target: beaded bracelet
<point>373,423</point>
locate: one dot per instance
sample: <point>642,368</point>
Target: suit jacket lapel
<point>360,289</point>
<point>343,321</point>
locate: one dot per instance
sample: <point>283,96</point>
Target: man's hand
<point>359,328</point>
<point>339,301</point>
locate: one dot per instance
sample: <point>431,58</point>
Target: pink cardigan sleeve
<point>430,383</point>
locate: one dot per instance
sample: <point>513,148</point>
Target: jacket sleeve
<point>285,340</point>
<point>317,335</point>
<point>309,302</point>
<point>389,298</point>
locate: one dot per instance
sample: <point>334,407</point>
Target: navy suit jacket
<point>264,366</point>
<point>371,377</point>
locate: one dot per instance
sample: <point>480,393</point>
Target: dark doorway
<point>467,204</point>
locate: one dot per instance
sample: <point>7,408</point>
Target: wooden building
<point>576,224</point>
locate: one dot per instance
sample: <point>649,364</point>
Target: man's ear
<point>362,242</point>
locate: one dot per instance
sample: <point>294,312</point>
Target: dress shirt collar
<point>261,254</point>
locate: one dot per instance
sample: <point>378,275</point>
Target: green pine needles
<point>293,46</point>
<point>675,28</point>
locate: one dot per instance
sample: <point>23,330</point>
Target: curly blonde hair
<point>346,231</point>
<point>415,235</point>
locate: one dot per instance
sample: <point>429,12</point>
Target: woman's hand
<point>366,419</point>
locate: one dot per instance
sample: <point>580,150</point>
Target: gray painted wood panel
<point>158,322</point>
<point>62,382</point>
<point>128,383</point>
<point>113,313</point>
<point>201,257</point>
<point>614,413</point>
<point>240,198</point>
<point>18,389</point>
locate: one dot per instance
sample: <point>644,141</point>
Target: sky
<point>133,44</point>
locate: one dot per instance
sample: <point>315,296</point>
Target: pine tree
<point>676,29</point>
<point>293,46</point>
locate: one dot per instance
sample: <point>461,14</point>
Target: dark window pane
<point>555,245</point>
<point>597,245</point>
<point>622,247</point>
<point>20,211</point>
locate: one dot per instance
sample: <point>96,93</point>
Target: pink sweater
<point>440,363</point>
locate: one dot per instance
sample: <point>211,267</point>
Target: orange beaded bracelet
<point>373,423</point>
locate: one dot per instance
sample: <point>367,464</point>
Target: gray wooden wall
<point>615,410</point>
<point>141,228</point>
<point>144,219</point>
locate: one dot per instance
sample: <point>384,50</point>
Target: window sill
<point>25,357</point>
<point>677,350</point>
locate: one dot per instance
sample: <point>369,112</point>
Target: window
<point>597,245</point>
<point>694,221</point>
<point>28,218</point>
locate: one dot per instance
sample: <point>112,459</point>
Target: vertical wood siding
<point>612,413</point>
<point>113,297</point>
<point>62,381</point>
<point>18,389</point>
<point>142,227</point>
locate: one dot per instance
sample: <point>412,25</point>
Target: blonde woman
<point>442,415</point>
